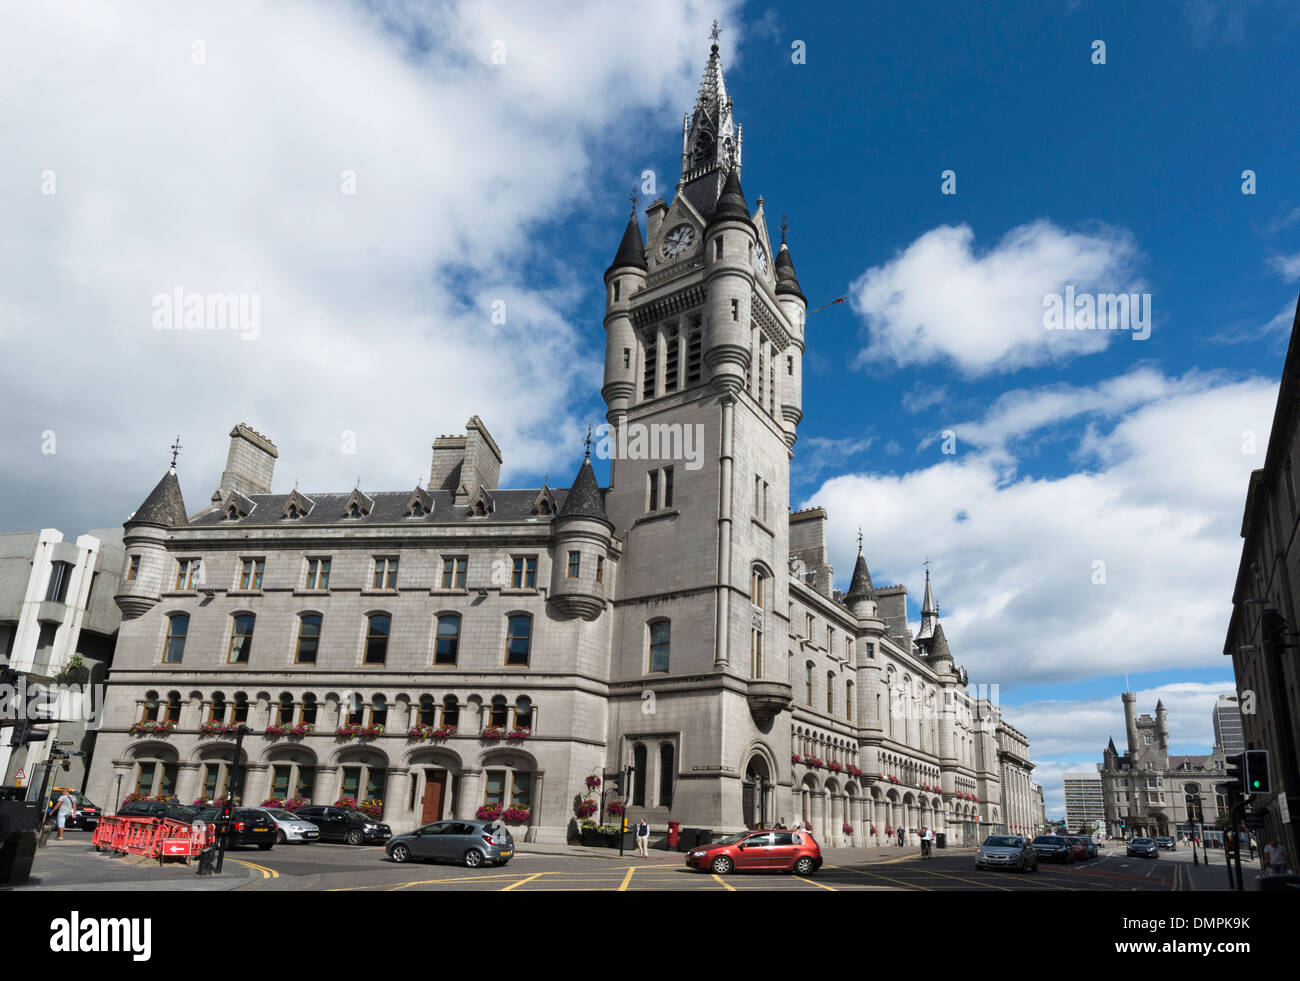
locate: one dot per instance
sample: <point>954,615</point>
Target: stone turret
<point>146,568</point>
<point>1130,722</point>
<point>580,569</point>
<point>729,242</point>
<point>625,276</point>
<point>795,307</point>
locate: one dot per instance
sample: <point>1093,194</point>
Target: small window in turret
<point>617,289</point>
<point>134,569</point>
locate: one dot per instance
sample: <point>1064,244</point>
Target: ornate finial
<point>176,449</point>
<point>588,441</point>
<point>633,199</point>
<point>926,563</point>
<point>859,539</point>
<point>715,33</point>
<point>785,227</point>
<point>546,480</point>
<point>295,482</point>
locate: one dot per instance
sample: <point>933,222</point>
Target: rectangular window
<point>575,564</point>
<point>448,642</point>
<point>352,782</point>
<point>167,785</point>
<point>178,626</point>
<point>651,366</point>
<point>60,573</point>
<point>600,568</point>
<point>144,783</point>
<point>809,633</point>
<point>618,288</point>
<point>496,788</point>
<point>660,636</point>
<point>652,491</point>
<point>318,573</point>
<point>375,783</point>
<point>241,639</point>
<point>519,640</point>
<point>133,571</point>
<point>755,653</point>
<point>308,639</point>
<point>186,573</point>
<point>668,487</point>
<point>377,639</point>
<point>789,365</point>
<point>735,309</point>
<point>453,571</point>
<point>280,777</point>
<point>717,250</point>
<point>524,573</point>
<point>670,361</point>
<point>385,573</point>
<point>694,352</point>
<point>251,575</point>
<point>211,774</point>
<point>521,791</point>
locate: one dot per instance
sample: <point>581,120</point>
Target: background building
<point>1148,792</point>
<point>1084,803</point>
<point>56,603</point>
<point>1228,732</point>
<point>1262,629</point>
<point>1040,809</point>
<point>510,643</point>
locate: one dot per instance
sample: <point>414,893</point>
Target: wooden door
<point>435,791</point>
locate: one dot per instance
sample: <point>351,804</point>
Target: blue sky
<point>483,180</point>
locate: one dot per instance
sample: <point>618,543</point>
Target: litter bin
<point>940,839</point>
<point>18,824</point>
<point>687,839</point>
<point>674,827</point>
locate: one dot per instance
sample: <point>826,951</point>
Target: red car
<point>1079,848</point>
<point>769,851</point>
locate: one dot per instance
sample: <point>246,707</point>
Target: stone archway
<point>755,793</point>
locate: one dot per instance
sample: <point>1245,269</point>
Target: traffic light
<point>1233,769</point>
<point>25,732</point>
<point>618,783</point>
<point>1257,775</point>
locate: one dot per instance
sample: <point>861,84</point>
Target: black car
<point>1054,848</point>
<point>345,824</point>
<point>158,809</point>
<point>248,826</point>
<point>1143,848</point>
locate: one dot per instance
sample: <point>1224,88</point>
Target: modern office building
<point>1228,732</point>
<point>1084,804</point>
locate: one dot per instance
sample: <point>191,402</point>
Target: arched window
<point>284,710</point>
<point>848,700</point>
<point>427,714</point>
<point>378,710</point>
<point>447,645</point>
<point>173,713</point>
<point>638,776</point>
<point>377,628</point>
<point>660,636</point>
<point>308,638</point>
<point>178,626</point>
<point>524,712</point>
<point>450,711</point>
<point>519,639</point>
<point>355,709</point>
<point>498,711</point>
<point>667,771</point>
<point>308,709</point>
<point>757,587</point>
<point>808,682</point>
<point>217,711</point>
<point>241,639</point>
<point>150,707</point>
<point>830,692</point>
<point>241,708</point>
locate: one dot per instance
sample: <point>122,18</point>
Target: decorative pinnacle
<point>859,539</point>
<point>785,227</point>
<point>633,199</point>
<point>176,449</point>
<point>715,33</point>
<point>588,441</point>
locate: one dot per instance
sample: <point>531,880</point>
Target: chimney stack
<point>250,464</point>
<point>463,464</point>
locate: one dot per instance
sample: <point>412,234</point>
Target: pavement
<point>73,863</point>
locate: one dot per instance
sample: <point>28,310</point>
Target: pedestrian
<point>643,839</point>
<point>900,836</point>
<point>1275,858</point>
<point>1251,840</point>
<point>927,842</point>
<point>65,806</point>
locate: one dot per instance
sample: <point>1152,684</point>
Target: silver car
<point>288,826</point>
<point>469,843</point>
<point>1007,852</point>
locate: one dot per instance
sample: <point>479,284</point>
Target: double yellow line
<point>266,873</point>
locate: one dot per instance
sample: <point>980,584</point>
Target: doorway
<point>435,793</point>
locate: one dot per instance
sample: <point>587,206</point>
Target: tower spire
<point>711,138</point>
<point>929,609</point>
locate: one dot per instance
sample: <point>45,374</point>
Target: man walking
<point>643,839</point>
<point>900,836</point>
<point>1275,858</point>
<point>927,843</point>
<point>65,806</point>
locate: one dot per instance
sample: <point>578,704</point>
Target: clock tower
<point>703,367</point>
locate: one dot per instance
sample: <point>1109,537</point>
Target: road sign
<point>176,846</point>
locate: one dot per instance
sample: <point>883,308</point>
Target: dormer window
<point>357,505</point>
<point>354,511</point>
<point>419,503</point>
<point>297,506</point>
<point>232,513</point>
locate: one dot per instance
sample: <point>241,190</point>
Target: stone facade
<point>1148,792</point>
<point>681,621</point>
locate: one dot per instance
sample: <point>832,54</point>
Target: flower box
<point>277,730</point>
<point>814,762</point>
<point>353,730</point>
<point>372,806</point>
<point>488,812</point>
<point>152,728</point>
<point>301,729</point>
<point>273,802</point>
<point>835,767</point>
<point>349,802</point>
<point>519,734</point>
<point>516,815</point>
<point>796,758</point>
<point>217,729</point>
<point>855,771</point>
<point>493,732</point>
<point>293,803</point>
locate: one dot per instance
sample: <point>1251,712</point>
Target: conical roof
<point>939,643</point>
<point>164,506</point>
<point>584,499</point>
<point>860,587</point>
<point>731,202</point>
<point>786,280</point>
<point>631,251</point>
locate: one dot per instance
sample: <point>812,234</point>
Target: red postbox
<point>673,828</point>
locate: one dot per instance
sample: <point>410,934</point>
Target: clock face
<point>678,241</point>
<point>760,259</point>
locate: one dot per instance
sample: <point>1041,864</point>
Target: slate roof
<point>390,508</point>
<point>731,202</point>
<point>939,643</point>
<point>860,586</point>
<point>585,498</point>
<point>164,506</point>
<point>631,251</point>
<point>786,280</point>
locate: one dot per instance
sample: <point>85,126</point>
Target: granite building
<point>513,642</point>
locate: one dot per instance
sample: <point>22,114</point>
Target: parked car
<point>1167,844</point>
<point>159,809</point>
<point>248,826</point>
<point>1082,847</point>
<point>1143,848</point>
<point>85,817</point>
<point>345,824</point>
<point>1007,852</point>
<point>471,843</point>
<point>781,851</point>
<point>289,826</point>
<point>1054,848</point>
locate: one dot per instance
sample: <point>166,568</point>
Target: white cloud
<point>1287,266</point>
<point>225,177</point>
<point>938,300</point>
<point>1014,556</point>
<point>922,396</point>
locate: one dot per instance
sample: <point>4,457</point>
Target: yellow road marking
<point>266,873</point>
<point>627,878</point>
<point>816,883</point>
<point>725,885</point>
<point>877,875</point>
<point>516,885</point>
